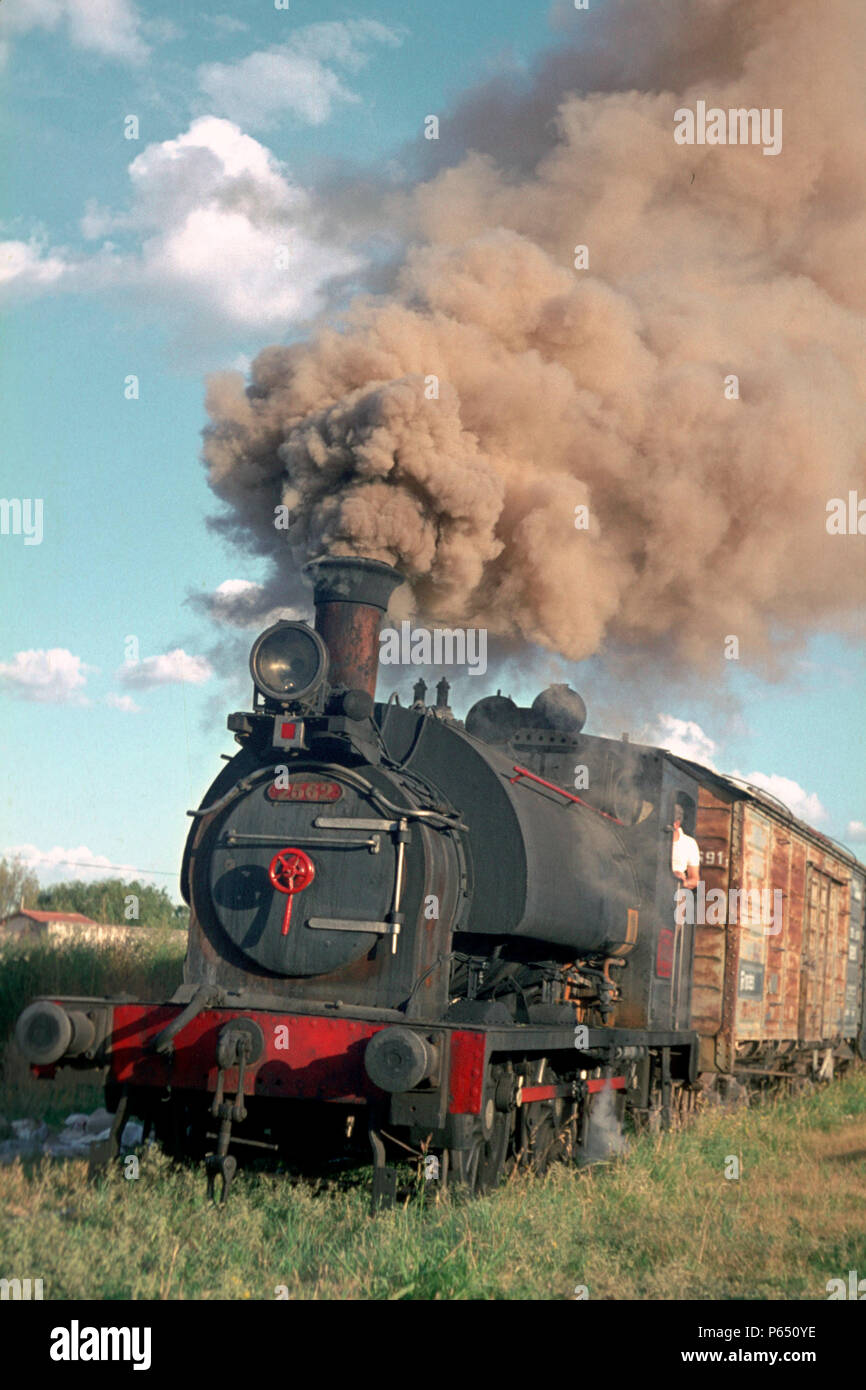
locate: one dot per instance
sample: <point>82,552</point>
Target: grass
<point>148,967</point>
<point>662,1223</point>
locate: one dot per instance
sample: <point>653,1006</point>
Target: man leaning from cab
<point>685,855</point>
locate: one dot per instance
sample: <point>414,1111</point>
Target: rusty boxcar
<point>771,989</point>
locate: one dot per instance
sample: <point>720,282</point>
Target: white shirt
<point>685,854</point>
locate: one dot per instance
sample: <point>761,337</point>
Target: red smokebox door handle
<point>290,872</point>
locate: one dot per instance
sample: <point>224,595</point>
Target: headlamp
<point>288,662</point>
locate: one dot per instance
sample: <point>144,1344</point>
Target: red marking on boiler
<point>305,791</point>
<point>552,786</point>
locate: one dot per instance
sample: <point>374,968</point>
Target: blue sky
<point>109,275</point>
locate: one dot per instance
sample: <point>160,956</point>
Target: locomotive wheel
<point>492,1154</point>
<point>482,1168</point>
<point>548,1143</point>
<point>546,1135</point>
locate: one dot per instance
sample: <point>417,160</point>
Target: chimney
<point>351,595</point>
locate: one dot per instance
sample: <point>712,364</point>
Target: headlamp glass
<point>288,661</point>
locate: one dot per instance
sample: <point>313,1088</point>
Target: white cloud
<point>221,239</point>
<point>296,77</point>
<point>59,863</point>
<point>111,28</point>
<point>28,264</point>
<point>125,703</point>
<point>228,229</point>
<point>171,668</point>
<point>856,831</point>
<point>241,603</point>
<point>47,677</point>
<point>684,738</point>
<point>805,805</point>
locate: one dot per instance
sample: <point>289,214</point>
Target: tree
<point>114,900</point>
<point>17,884</point>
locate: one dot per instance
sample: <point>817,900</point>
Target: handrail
<point>533,776</point>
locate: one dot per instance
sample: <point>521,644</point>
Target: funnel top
<point>353,579</point>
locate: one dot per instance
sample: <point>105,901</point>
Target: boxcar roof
<point>747,791</point>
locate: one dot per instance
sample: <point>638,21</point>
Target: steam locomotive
<point>462,942</point>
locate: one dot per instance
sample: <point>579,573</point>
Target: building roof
<point>36,916</point>
<point>103,926</point>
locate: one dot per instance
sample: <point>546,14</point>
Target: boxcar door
<point>812,961</point>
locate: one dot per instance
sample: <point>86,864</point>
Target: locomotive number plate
<point>305,791</point>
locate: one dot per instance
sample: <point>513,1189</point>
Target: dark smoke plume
<point>601,387</point>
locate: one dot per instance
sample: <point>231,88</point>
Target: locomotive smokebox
<point>351,594</point>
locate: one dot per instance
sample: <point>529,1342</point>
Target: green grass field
<point>664,1222</point>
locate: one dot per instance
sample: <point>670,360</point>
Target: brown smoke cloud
<point>604,387</point>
